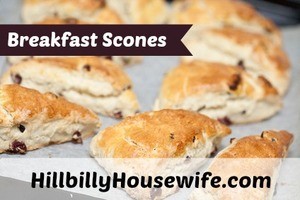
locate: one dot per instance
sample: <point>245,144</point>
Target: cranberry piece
<point>236,80</point>
<point>118,115</point>
<point>87,67</point>
<point>16,78</point>
<point>21,128</point>
<point>241,64</point>
<point>214,151</point>
<point>77,139</point>
<point>172,136</point>
<point>18,147</point>
<point>225,121</point>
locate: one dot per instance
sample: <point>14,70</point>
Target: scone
<point>93,82</point>
<point>255,52</point>
<point>120,60</point>
<point>223,92</point>
<point>157,143</point>
<point>259,155</point>
<point>30,120</point>
<point>160,134</point>
<point>225,13</point>
<point>140,11</point>
<point>91,11</point>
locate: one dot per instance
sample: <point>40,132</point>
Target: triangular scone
<point>30,120</point>
<point>91,11</point>
<point>256,53</point>
<point>92,82</point>
<point>225,13</point>
<point>157,143</point>
<point>252,156</point>
<point>223,92</point>
<point>160,134</point>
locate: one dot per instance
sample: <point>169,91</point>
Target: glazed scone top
<point>198,78</point>
<point>93,68</point>
<point>20,105</point>
<point>159,134</point>
<point>223,13</point>
<point>270,144</point>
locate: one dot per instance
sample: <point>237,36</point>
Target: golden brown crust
<point>252,156</point>
<point>94,67</point>
<point>227,12</point>
<point>270,144</point>
<point>23,104</point>
<point>196,78</point>
<point>160,134</point>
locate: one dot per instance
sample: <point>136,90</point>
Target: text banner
<point>93,40</point>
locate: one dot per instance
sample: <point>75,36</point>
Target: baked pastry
<point>120,60</point>
<point>30,120</point>
<point>219,91</point>
<point>225,13</point>
<point>91,11</point>
<point>93,82</point>
<point>255,52</point>
<point>250,156</point>
<point>160,134</point>
<point>140,11</point>
<point>152,137</point>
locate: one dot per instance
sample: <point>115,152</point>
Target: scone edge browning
<point>272,144</point>
<point>38,120</point>
<point>218,91</point>
<point>258,155</point>
<point>159,134</point>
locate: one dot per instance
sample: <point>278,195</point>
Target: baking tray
<point>147,77</point>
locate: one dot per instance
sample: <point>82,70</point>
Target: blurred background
<point>282,12</point>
